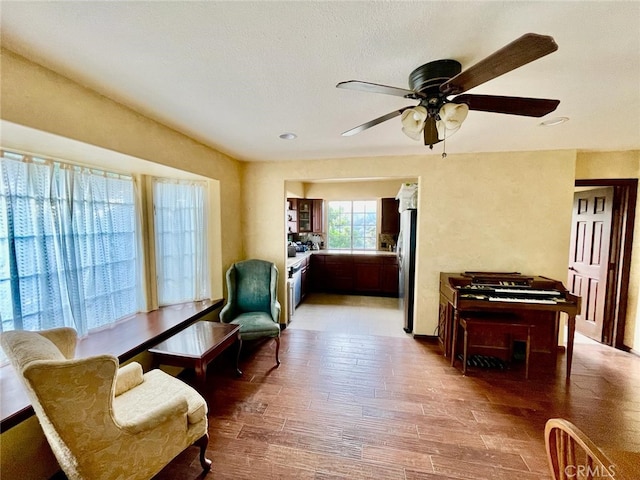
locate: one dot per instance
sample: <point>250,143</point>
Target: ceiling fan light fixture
<point>451,117</point>
<point>413,122</point>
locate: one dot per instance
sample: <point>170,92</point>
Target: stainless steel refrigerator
<point>406,249</point>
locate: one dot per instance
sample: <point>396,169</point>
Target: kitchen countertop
<point>292,261</point>
<point>356,252</point>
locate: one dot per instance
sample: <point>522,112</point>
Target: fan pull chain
<point>444,144</point>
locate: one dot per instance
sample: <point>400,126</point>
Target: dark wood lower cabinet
<point>367,277</point>
<point>306,277</point>
<point>389,276</point>
<point>339,273</point>
<point>355,274</point>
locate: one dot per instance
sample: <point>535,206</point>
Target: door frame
<point>625,191</point>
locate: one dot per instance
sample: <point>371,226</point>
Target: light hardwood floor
<point>357,398</point>
<point>346,314</point>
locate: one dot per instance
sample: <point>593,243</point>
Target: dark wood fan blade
<point>529,107</point>
<point>521,51</point>
<point>375,88</point>
<point>374,122</point>
<point>430,132</point>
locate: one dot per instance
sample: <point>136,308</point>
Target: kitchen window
<point>352,225</point>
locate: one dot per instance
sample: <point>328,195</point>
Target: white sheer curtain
<point>182,260</point>
<point>68,246</point>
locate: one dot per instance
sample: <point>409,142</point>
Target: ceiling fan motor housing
<point>427,78</point>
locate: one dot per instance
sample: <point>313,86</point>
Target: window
<point>71,244</point>
<point>182,263</point>
<point>68,245</point>
<point>352,225</point>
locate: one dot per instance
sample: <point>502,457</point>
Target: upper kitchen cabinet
<point>317,216</point>
<point>310,215</point>
<point>304,215</point>
<point>390,219</point>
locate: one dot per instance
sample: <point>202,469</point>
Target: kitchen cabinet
<point>367,272</point>
<point>304,215</point>
<point>306,276</point>
<point>339,273</point>
<point>310,215</point>
<point>390,218</point>
<point>318,273</point>
<point>355,274</point>
<point>389,276</point>
<point>332,273</point>
<point>317,216</point>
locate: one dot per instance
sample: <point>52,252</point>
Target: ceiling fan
<point>437,116</point>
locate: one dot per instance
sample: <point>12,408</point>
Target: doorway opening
<point>362,280</point>
<point>600,260</point>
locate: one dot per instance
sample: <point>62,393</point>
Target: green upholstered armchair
<point>103,421</point>
<point>253,300</point>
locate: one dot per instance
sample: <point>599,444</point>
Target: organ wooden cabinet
<point>498,299</point>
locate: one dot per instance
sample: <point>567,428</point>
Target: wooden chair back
<point>572,455</point>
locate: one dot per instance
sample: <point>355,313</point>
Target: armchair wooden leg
<point>277,350</point>
<point>202,442</point>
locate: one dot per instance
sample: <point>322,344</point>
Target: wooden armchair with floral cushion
<point>102,421</point>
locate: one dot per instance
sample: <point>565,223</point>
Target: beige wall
<point>601,165</point>
<point>38,98</point>
<point>296,190</point>
<point>501,212</point>
<point>356,190</point>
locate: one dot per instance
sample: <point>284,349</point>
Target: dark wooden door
<point>589,257</point>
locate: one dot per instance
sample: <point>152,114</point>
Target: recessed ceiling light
<point>552,122</point>
<point>288,136</point>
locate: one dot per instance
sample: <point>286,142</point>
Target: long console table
<point>532,300</point>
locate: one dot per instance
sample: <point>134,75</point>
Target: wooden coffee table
<point>197,345</point>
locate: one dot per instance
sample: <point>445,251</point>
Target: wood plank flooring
<point>344,405</point>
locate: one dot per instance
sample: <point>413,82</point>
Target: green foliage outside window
<point>352,225</point>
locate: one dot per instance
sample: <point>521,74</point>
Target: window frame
<point>369,241</point>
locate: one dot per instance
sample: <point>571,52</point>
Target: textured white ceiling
<point>235,75</point>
